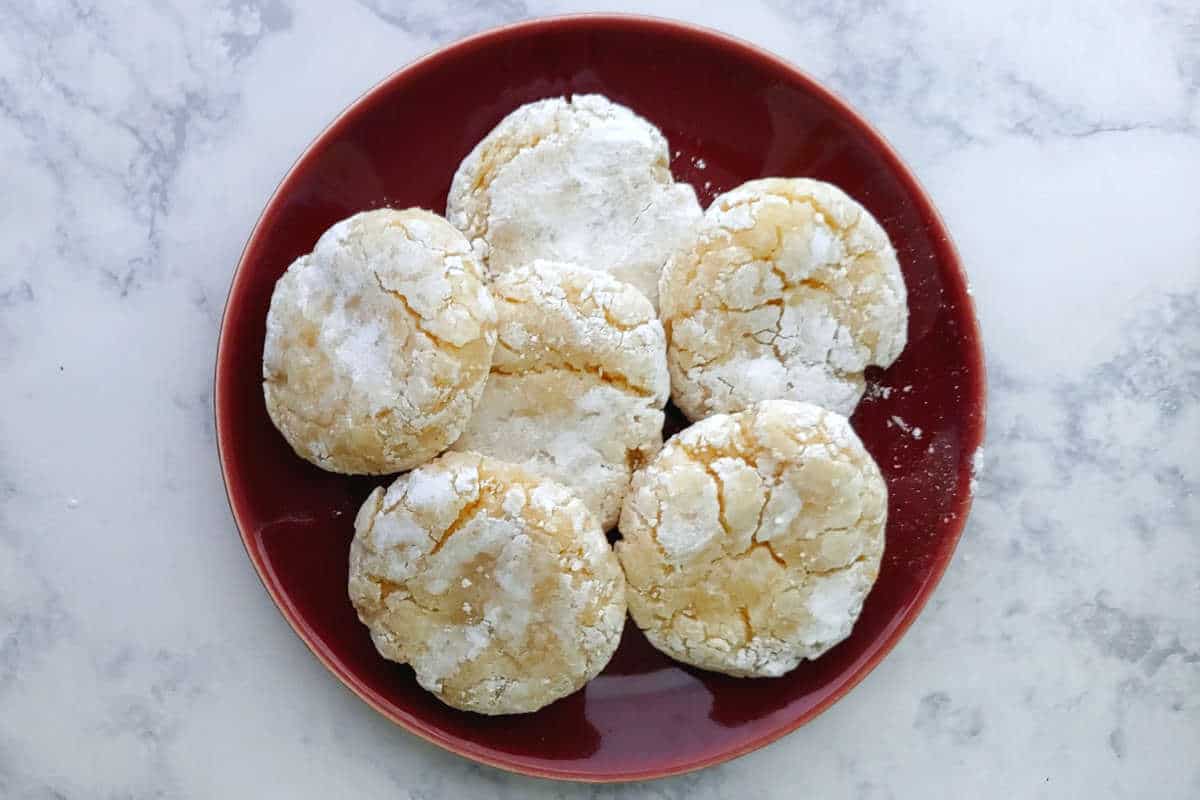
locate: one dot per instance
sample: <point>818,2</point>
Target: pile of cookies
<point>514,359</point>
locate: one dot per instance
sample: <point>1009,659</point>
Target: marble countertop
<point>139,655</point>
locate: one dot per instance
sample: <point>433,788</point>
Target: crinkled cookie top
<point>582,180</point>
<point>578,382</point>
<point>789,291</point>
<point>751,541</point>
<point>496,585</point>
<point>378,343</point>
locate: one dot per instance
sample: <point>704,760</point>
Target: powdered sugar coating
<point>578,382</point>
<point>378,343</point>
<point>582,180</point>
<point>497,586</point>
<point>751,541</point>
<point>790,290</point>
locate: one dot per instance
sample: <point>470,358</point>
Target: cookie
<point>578,383</point>
<point>496,585</point>
<point>789,291</point>
<point>378,343</point>
<point>752,539</point>
<point>582,180</point>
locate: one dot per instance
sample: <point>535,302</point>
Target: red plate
<point>731,113</point>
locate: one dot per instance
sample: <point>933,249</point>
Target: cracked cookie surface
<point>583,180</point>
<point>578,383</point>
<point>789,291</point>
<point>496,585</point>
<point>378,343</point>
<point>751,541</point>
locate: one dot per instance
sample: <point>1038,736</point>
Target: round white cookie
<point>789,291</point>
<point>378,343</point>
<point>752,539</point>
<point>582,180</point>
<point>496,585</point>
<point>578,383</point>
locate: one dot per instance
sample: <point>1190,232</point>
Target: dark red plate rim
<point>973,394</point>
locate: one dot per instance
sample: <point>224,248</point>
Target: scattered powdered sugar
<point>363,352</point>
<point>398,529</point>
<point>514,501</point>
<point>687,528</point>
<point>546,497</point>
<point>824,248</point>
<point>911,430</point>
<point>431,489</point>
<point>834,603</point>
<point>448,649</point>
<point>466,481</point>
<point>513,584</point>
<point>877,391</point>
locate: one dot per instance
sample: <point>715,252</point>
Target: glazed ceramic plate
<point>731,113</point>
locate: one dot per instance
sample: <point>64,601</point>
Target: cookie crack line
<point>827,216</point>
<point>706,465</point>
<point>697,363</point>
<point>653,530</point>
<point>614,379</point>
<point>825,573</point>
<point>418,320</point>
<point>465,515</point>
<point>388,587</point>
<point>704,457</point>
<point>757,544</point>
<point>402,226</point>
<point>774,334</point>
<point>744,612</point>
<point>576,299</point>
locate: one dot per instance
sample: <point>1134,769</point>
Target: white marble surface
<point>140,657</point>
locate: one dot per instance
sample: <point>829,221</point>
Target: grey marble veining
<point>139,657</point>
